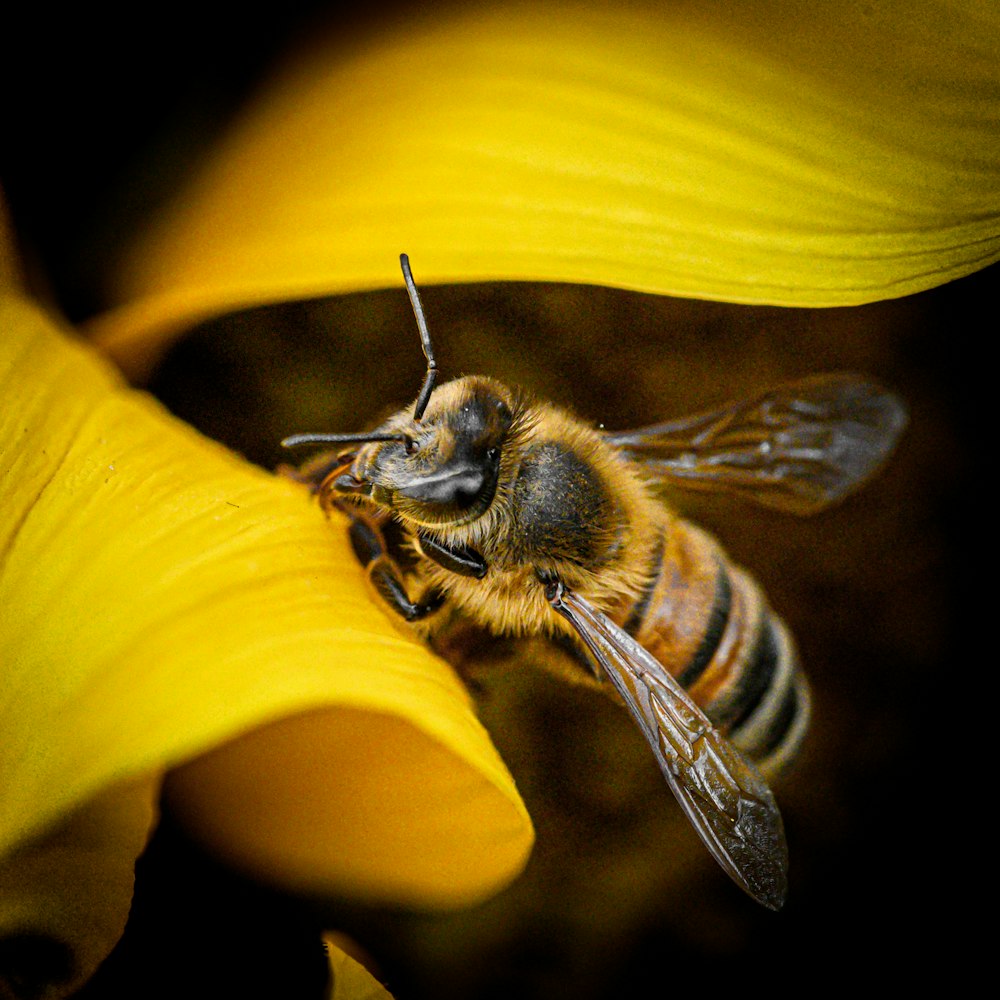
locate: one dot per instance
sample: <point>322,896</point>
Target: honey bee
<point>481,504</point>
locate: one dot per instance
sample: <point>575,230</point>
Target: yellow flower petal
<point>782,152</point>
<point>399,815</point>
<point>161,596</point>
<point>349,980</point>
<point>64,899</point>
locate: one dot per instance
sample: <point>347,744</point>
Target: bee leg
<point>386,582</point>
<point>367,541</point>
<point>314,473</point>
<point>370,547</point>
<point>456,559</point>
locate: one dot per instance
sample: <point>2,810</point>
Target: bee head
<point>443,468</point>
<point>437,462</point>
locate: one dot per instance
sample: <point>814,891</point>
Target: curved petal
<point>161,596</point>
<point>791,153</point>
<point>349,979</point>
<point>65,897</point>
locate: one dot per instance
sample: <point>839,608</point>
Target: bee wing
<point>722,793</point>
<point>799,447</point>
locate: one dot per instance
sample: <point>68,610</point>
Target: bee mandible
<point>482,504</point>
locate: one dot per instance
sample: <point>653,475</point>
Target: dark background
<point>880,593</point>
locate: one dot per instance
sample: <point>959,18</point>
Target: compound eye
<point>411,445</point>
<point>493,454</point>
<point>503,411</point>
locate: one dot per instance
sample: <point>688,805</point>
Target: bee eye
<point>411,445</point>
<point>493,454</point>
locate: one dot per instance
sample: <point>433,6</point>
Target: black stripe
<point>781,724</point>
<point>717,620</point>
<point>755,679</point>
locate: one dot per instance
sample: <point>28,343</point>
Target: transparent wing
<point>721,792</point>
<point>800,447</point>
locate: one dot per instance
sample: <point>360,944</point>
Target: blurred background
<point>103,115</point>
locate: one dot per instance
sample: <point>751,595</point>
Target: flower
<point>169,607</point>
<point>703,150</point>
<point>165,602</point>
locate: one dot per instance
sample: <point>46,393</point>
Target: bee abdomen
<point>753,688</point>
<point>709,624</point>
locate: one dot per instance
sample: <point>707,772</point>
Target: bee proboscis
<point>482,504</point>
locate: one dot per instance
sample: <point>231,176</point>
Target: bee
<point>481,504</point>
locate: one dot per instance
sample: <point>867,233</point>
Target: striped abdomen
<point>710,625</point>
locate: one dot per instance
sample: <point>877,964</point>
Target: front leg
<point>457,559</point>
<point>329,476</point>
<point>318,472</point>
<point>369,544</point>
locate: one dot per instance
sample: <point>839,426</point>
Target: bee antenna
<point>296,439</point>
<point>425,339</point>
